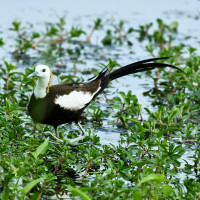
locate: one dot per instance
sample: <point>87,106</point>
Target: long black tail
<point>141,66</point>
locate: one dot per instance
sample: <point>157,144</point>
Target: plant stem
<point>86,169</point>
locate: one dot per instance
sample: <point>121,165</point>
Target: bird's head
<point>45,78</point>
<point>41,71</point>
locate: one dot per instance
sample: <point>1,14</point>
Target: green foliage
<point>30,185</point>
<point>16,26</point>
<point>1,42</point>
<point>76,32</point>
<point>128,107</point>
<point>61,23</point>
<point>98,23</point>
<point>157,155</point>
<point>78,192</point>
<point>107,40</point>
<point>118,36</point>
<point>41,149</point>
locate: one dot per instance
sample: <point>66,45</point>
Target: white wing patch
<point>75,100</point>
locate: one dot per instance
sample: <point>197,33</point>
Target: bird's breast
<point>37,109</point>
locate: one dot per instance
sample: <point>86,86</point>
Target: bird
<point>63,103</point>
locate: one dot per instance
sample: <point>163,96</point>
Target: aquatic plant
<point>157,155</point>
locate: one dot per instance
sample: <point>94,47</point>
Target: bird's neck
<point>41,88</point>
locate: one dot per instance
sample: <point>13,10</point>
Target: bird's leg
<point>82,129</point>
<point>76,140</point>
<point>71,141</point>
<point>56,134</point>
<point>55,137</point>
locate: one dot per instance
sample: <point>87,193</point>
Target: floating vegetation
<point>157,155</point>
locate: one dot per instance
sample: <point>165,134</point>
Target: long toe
<point>55,137</point>
<point>76,140</point>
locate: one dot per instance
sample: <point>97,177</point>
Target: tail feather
<point>140,66</point>
<point>148,60</point>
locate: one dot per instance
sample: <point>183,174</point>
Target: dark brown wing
<point>67,88</point>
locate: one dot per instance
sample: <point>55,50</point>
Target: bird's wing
<point>74,97</point>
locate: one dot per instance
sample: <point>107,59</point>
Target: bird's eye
<point>43,70</point>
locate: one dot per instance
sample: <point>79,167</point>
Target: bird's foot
<point>56,137</point>
<point>70,141</point>
<point>75,141</point>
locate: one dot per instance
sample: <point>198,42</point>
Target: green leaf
<point>35,35</point>
<point>171,147</point>
<point>152,177</point>
<point>119,193</point>
<point>140,163</point>
<point>111,164</point>
<point>9,66</point>
<point>41,149</point>
<point>129,43</point>
<point>97,23</point>
<point>5,194</point>
<point>132,159</point>
<point>185,117</point>
<point>149,112</point>
<point>130,30</point>
<point>53,31</point>
<point>36,196</point>
<point>173,26</point>
<point>167,189</point>
<point>16,25</point>
<point>27,45</point>
<point>141,128</point>
<point>30,185</point>
<point>160,133</point>
<point>79,192</point>
<point>76,32</point>
<point>1,42</point>
<point>90,189</point>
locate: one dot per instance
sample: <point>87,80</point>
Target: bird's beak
<point>33,74</point>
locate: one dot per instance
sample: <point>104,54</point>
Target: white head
<point>42,71</point>
<point>45,76</point>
